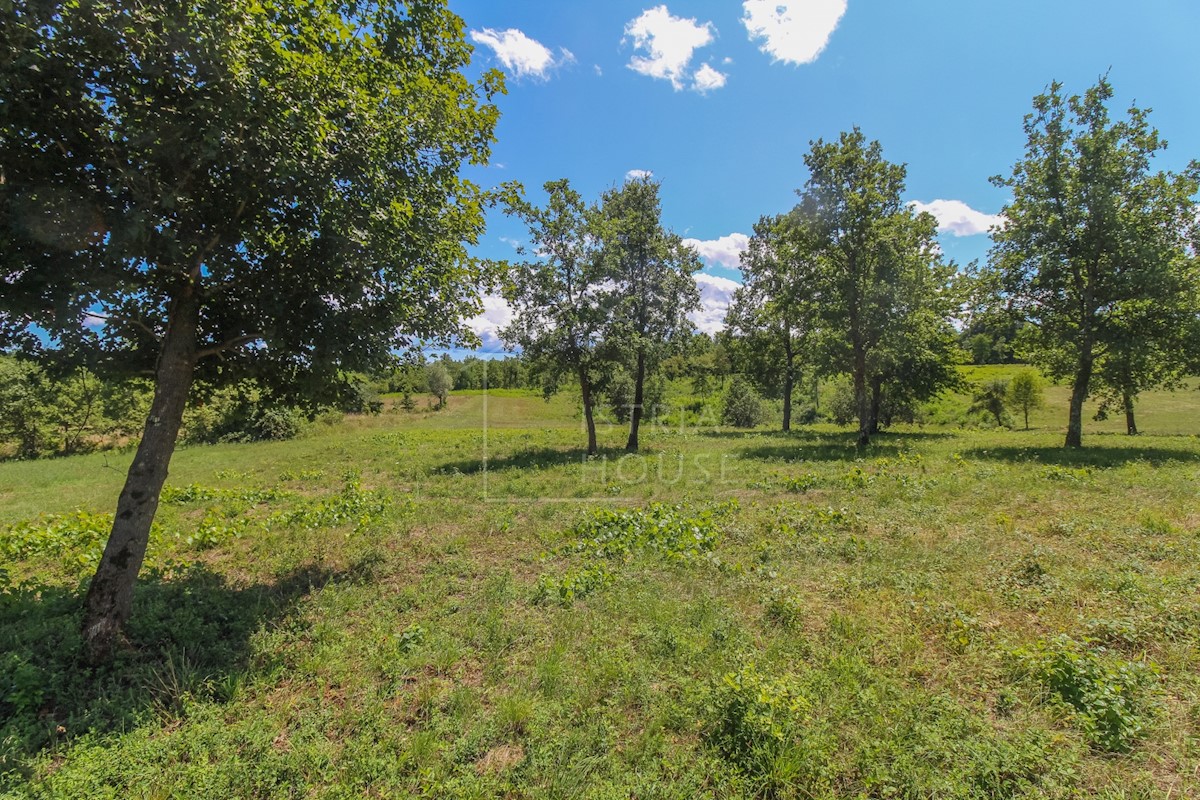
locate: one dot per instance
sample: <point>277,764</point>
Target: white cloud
<point>638,174</point>
<point>496,314</point>
<point>521,55</point>
<point>726,250</point>
<point>957,218</point>
<point>669,43</point>
<point>716,294</point>
<point>794,31</point>
<point>706,79</point>
<point>599,72</point>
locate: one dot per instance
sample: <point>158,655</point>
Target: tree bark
<point>635,422</point>
<point>1130,422</point>
<point>861,398</point>
<point>585,388</point>
<point>788,381</point>
<point>876,401</point>
<point>1079,393</point>
<point>110,596</point>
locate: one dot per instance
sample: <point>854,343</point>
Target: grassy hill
<point>457,604</point>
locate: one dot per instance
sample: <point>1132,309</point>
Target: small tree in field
<point>743,407</point>
<point>234,189</point>
<point>991,398</point>
<point>439,380</point>
<point>1025,393</point>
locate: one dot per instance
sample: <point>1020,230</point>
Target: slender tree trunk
<point>639,381</point>
<point>1026,409</point>
<point>861,398</point>
<point>1079,393</point>
<point>110,596</point>
<point>1130,423</point>
<point>788,381</point>
<point>585,388</point>
<point>876,401</point>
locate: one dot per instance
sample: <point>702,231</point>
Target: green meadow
<point>458,604</point>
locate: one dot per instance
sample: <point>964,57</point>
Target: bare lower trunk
<point>110,596</point>
<point>585,388</point>
<point>1130,422</point>
<point>862,399</point>
<point>639,381</point>
<point>876,403</point>
<point>788,381</point>
<point>1079,393</point>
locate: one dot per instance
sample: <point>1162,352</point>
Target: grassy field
<point>458,605</point>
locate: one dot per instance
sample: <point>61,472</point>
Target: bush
<point>761,726</point>
<point>1108,695</point>
<point>744,408</point>
<point>238,414</point>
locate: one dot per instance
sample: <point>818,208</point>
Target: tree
<point>877,274</point>
<point>232,189</point>
<point>650,285</point>
<point>991,398</point>
<point>558,316</point>
<point>1094,248</point>
<point>743,407</point>
<point>1025,393</point>
<point>773,312</point>
<point>437,377</point>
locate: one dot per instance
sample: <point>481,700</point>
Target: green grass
<point>368,611</point>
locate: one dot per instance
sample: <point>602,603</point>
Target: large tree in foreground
<point>877,272</point>
<point>558,317</point>
<point>231,187</point>
<point>1094,253</point>
<point>649,288</point>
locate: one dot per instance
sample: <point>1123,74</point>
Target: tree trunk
<point>788,381</point>
<point>861,399</point>
<point>1026,409</point>
<point>1130,423</point>
<point>639,381</point>
<point>110,596</point>
<point>1079,393</point>
<point>876,401</point>
<point>585,388</point>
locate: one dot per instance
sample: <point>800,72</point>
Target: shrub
<point>761,726</point>
<point>1108,695</point>
<point>991,398</point>
<point>744,408</point>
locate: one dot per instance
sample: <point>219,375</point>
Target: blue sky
<point>719,99</point>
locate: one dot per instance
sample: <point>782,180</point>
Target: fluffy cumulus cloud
<point>667,44</point>
<point>706,79</point>
<point>496,314</point>
<point>957,218</point>
<point>521,56</point>
<point>792,31</point>
<point>638,174</point>
<point>716,294</point>
<point>726,250</point>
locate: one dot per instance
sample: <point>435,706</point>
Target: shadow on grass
<point>812,446</point>
<point>189,636</point>
<point>533,458</point>
<point>1099,457</point>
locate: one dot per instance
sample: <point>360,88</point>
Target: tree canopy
<point>221,188</point>
<point>1095,253</point>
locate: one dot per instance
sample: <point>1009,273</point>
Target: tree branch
<point>227,345</point>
